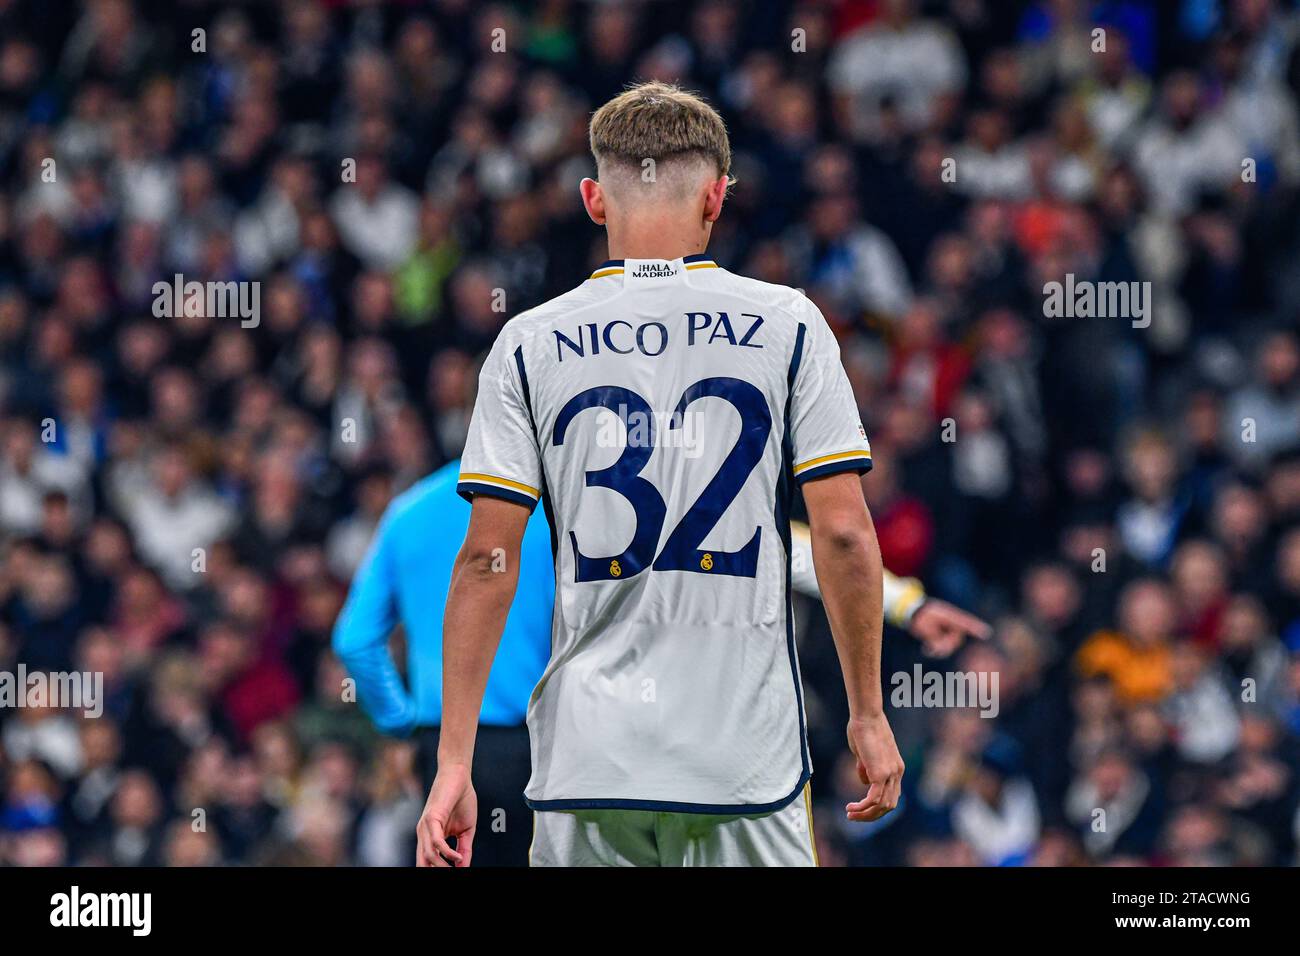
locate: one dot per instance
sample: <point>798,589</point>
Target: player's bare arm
<point>845,555</point>
<point>482,588</point>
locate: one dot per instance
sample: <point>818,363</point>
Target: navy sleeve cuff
<point>504,488</point>
<point>818,468</point>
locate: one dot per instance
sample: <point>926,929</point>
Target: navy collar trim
<point>618,263</point>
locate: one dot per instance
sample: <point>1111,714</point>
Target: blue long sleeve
<point>405,578</point>
<point>361,641</point>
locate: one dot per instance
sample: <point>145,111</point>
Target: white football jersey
<point>662,412</point>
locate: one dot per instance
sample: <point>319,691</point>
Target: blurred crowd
<point>184,500</point>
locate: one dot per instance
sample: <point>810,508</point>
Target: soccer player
<point>404,580</point>
<point>664,412</point>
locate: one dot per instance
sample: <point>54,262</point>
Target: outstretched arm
<point>847,561</point>
<point>483,584</point>
<point>902,596</point>
<point>939,626</point>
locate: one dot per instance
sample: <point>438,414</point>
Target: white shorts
<point>649,838</point>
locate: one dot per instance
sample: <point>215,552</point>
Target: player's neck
<point>656,249</point>
<point>657,240</point>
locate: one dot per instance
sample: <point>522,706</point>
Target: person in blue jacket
<point>404,579</point>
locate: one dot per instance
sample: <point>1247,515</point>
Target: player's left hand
<point>880,767</point>
<point>450,812</point>
<point>942,627</point>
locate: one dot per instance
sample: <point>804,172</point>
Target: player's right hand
<point>880,767</point>
<point>451,812</point>
<point>942,627</point>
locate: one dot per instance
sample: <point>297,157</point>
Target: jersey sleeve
<point>826,431</point>
<point>501,457</point>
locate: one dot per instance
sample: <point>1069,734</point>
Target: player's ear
<point>593,200</point>
<point>714,196</point>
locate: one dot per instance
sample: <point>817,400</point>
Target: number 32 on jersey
<point>681,551</point>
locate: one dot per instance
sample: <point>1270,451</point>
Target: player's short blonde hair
<point>661,122</point>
